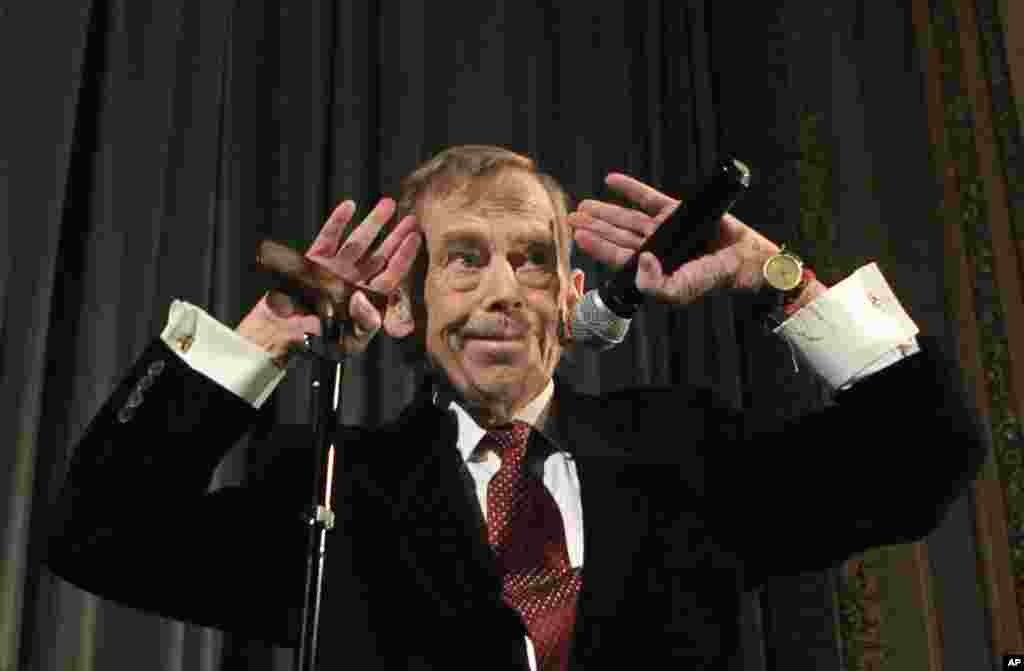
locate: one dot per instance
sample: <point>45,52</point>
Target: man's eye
<point>471,259</point>
<point>540,258</point>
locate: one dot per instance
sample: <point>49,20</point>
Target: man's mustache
<point>495,328</point>
<point>503,328</point>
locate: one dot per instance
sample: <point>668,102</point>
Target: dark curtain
<point>148,146</point>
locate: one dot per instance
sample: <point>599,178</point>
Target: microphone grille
<point>595,326</point>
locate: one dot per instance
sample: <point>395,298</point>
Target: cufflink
<point>185,342</point>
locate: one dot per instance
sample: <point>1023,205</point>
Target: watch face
<point>783,272</point>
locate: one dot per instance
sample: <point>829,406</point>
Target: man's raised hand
<point>611,234</point>
<point>278,324</point>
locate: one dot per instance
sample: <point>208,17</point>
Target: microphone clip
<point>318,348</point>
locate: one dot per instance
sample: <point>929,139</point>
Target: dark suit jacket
<point>686,503</point>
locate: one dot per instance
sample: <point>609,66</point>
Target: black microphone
<point>602,315</point>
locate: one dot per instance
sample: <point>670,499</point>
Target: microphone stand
<point>321,292</point>
<point>325,402</point>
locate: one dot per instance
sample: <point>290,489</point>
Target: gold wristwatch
<point>784,272</point>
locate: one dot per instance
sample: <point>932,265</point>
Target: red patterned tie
<point>525,529</point>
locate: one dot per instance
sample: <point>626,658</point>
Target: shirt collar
<point>470,433</point>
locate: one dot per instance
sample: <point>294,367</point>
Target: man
<point>504,521</point>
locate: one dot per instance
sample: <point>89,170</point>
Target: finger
<point>297,325</point>
<point>625,218</point>
<point>398,265</point>
<point>622,237</point>
<point>326,242</point>
<point>649,199</point>
<point>280,304</point>
<point>379,259</point>
<point>365,233</point>
<point>602,250</point>
<point>298,328</point>
<point>364,315</point>
<point>698,277</point>
<point>649,275</point>
<point>366,321</point>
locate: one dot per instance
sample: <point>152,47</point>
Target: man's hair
<point>466,171</point>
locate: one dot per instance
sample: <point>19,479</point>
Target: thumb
<point>365,316</point>
<point>365,322</point>
<point>649,275</point>
<point>280,304</point>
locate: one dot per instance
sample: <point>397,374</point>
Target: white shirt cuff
<point>852,330</point>
<point>211,348</point>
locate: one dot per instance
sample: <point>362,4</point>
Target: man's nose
<point>501,286</point>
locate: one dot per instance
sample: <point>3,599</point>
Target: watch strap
<point>789,304</point>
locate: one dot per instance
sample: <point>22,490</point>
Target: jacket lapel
<point>440,524</point>
<point>591,430</point>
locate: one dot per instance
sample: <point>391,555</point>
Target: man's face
<point>493,291</point>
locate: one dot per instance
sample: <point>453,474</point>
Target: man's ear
<point>575,288</point>
<point>576,279</point>
<point>398,319</point>
<point>569,309</point>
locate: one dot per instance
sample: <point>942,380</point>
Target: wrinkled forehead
<point>510,197</point>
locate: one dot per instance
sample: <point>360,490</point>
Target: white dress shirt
<point>852,330</point>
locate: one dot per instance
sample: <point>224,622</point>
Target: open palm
<point>611,234</point>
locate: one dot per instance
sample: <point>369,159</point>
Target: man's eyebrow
<point>533,240</point>
<point>535,236</point>
<point>457,235</point>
